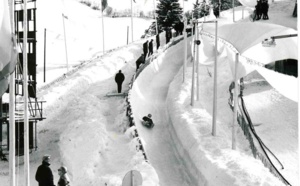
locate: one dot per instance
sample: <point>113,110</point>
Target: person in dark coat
<point>44,174</point>
<point>216,10</point>
<point>139,61</point>
<point>119,78</point>
<point>145,49</point>
<point>168,35</point>
<point>265,9</point>
<point>64,179</point>
<point>150,48</point>
<point>258,10</point>
<point>157,41</point>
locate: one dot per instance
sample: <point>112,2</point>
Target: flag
<point>8,51</point>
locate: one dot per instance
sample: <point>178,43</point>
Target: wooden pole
<point>184,48</point>
<point>25,87</point>
<point>193,72</point>
<point>45,55</point>
<point>131,22</point>
<point>12,143</point>
<point>197,63</point>
<point>155,17</point>
<point>233,18</point>
<point>234,118</point>
<point>219,8</point>
<point>103,39</point>
<point>127,35</point>
<point>214,128</point>
<point>65,39</point>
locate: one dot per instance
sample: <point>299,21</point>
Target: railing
<point>258,148</point>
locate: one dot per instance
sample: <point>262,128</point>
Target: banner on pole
<point>8,52</point>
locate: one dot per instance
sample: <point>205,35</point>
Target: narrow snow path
<point>149,96</point>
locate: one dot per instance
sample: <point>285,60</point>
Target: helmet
<point>149,115</point>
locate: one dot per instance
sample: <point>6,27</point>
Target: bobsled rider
<point>148,120</point>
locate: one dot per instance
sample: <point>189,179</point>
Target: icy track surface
<point>148,95</point>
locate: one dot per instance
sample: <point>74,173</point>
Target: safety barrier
<point>258,148</point>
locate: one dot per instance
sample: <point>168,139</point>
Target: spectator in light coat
<point>64,179</point>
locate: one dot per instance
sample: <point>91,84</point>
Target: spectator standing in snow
<point>157,41</point>
<point>150,48</point>
<point>44,174</point>
<point>168,35</point>
<point>139,61</point>
<point>64,179</point>
<point>265,9</point>
<point>258,10</point>
<point>119,78</point>
<point>216,10</point>
<point>145,49</point>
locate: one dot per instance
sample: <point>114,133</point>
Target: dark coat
<point>147,119</point>
<point>145,47</point>
<point>119,77</point>
<point>140,60</point>
<point>151,46</point>
<point>44,175</point>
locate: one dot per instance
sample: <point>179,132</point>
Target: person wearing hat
<point>64,179</point>
<point>44,174</point>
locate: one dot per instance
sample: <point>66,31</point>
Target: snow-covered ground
<point>86,131</point>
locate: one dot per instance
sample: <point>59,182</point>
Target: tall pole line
<point>184,48</point>
<point>103,44</point>
<point>155,16</point>
<point>25,87</point>
<point>234,118</point>
<point>12,141</point>
<point>131,22</point>
<point>197,65</point>
<point>65,39</point>
<point>233,18</point>
<point>193,70</point>
<point>214,128</point>
<point>45,31</point>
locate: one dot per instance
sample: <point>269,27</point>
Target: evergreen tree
<point>169,13</point>
<point>201,9</point>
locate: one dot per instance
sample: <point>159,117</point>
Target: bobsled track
<point>148,95</point>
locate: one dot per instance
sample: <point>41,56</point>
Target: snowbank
<point>212,156</point>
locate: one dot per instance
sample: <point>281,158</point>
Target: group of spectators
<point>44,174</point>
<point>261,10</point>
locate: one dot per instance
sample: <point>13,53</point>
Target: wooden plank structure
<point>35,107</point>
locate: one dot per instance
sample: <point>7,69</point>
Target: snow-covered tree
<point>169,13</point>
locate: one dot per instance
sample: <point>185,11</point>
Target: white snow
<point>88,132</point>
